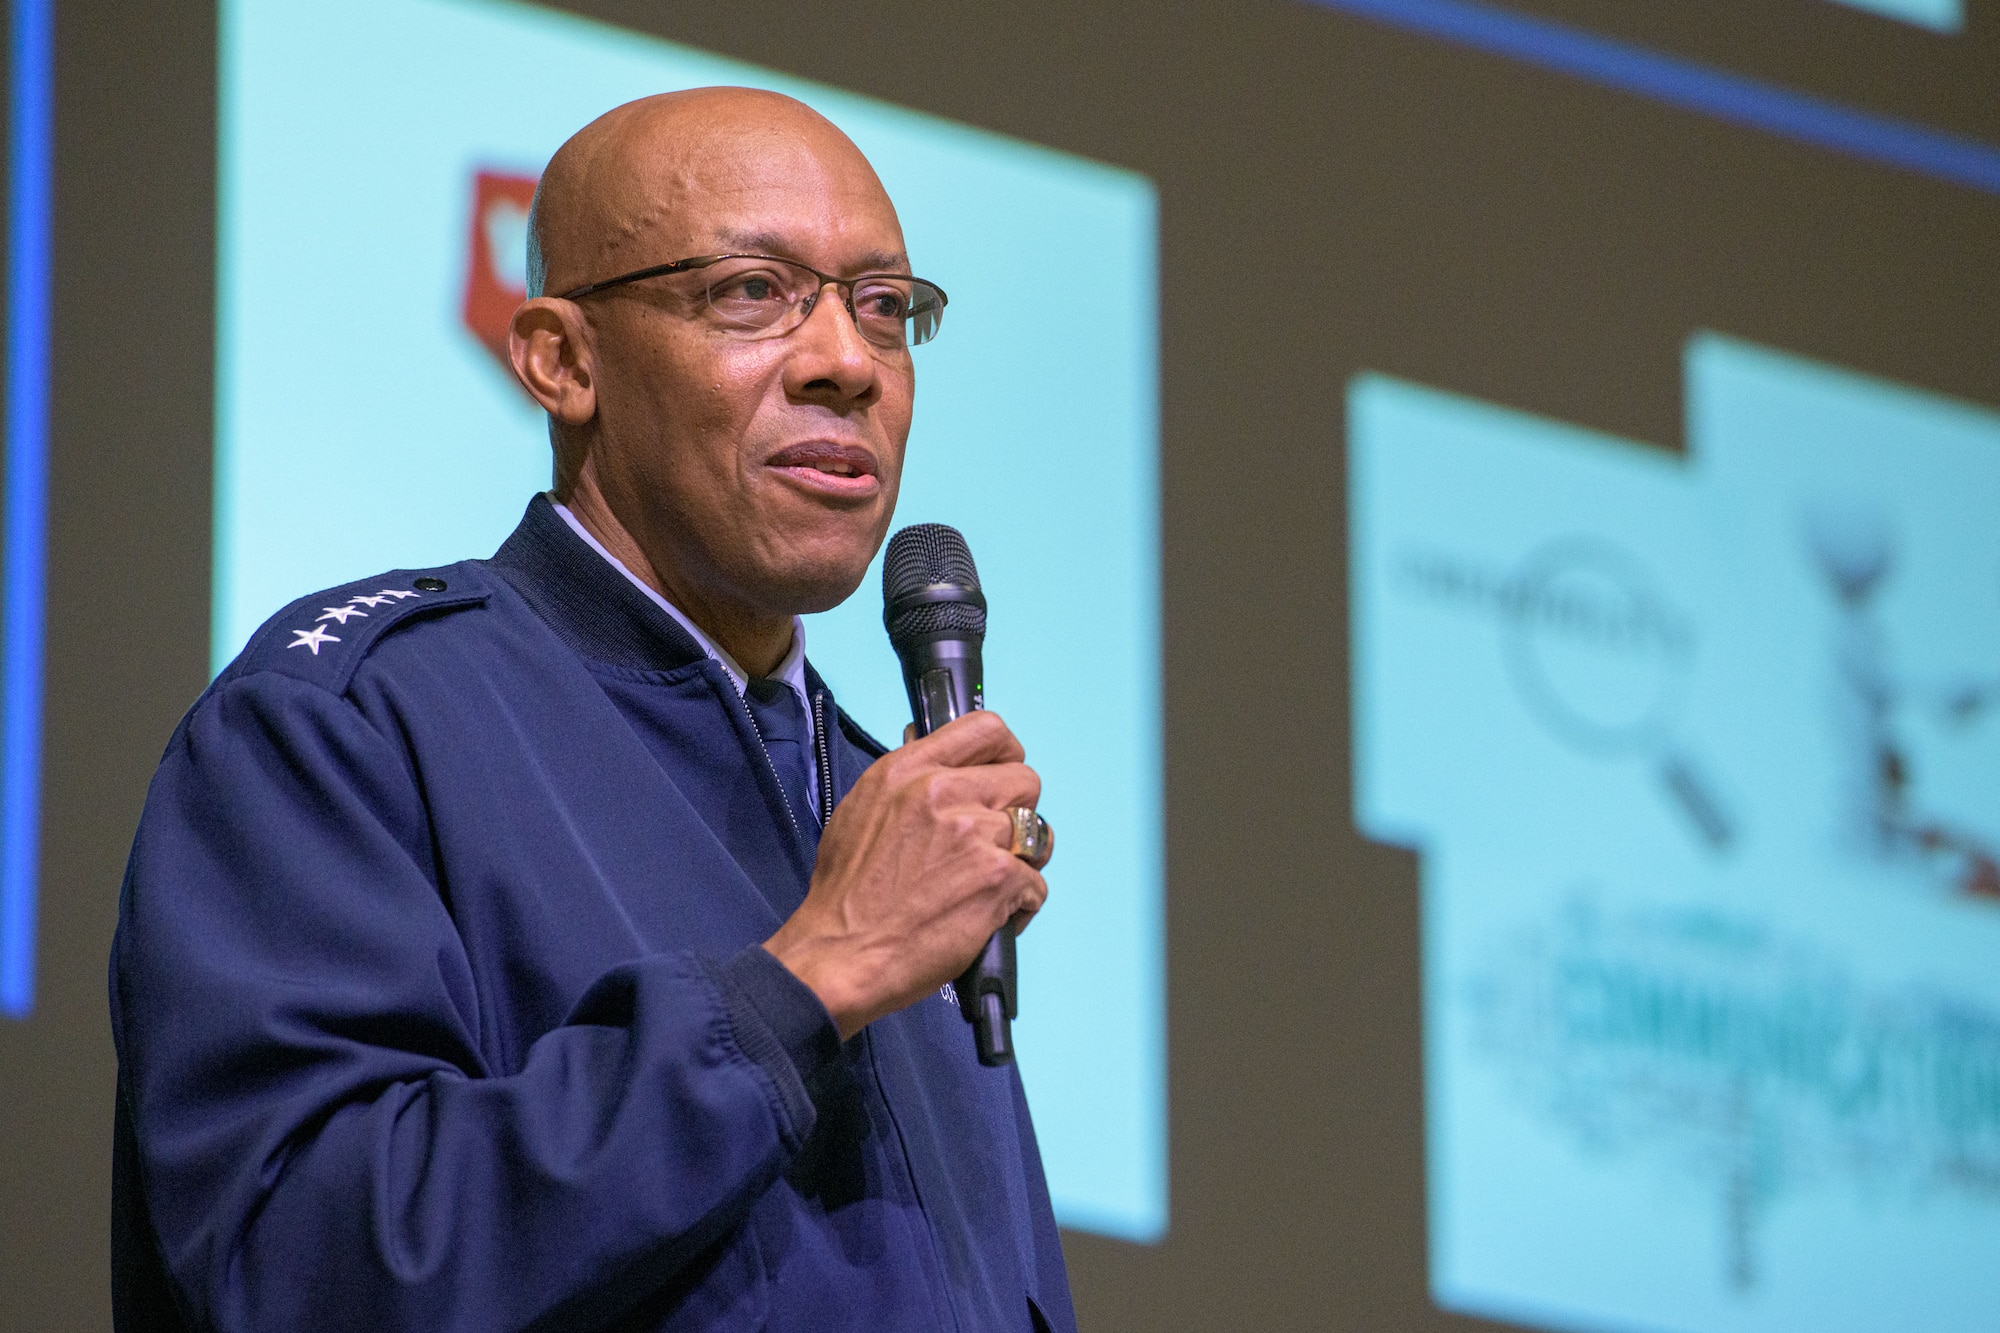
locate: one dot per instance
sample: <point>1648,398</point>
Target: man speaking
<point>531,942</point>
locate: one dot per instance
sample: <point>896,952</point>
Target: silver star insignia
<point>312,638</point>
<point>369,601</point>
<point>391,592</point>
<point>341,613</point>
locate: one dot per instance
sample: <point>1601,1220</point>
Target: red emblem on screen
<point>496,268</point>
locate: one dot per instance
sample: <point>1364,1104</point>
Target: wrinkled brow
<point>769,243</point>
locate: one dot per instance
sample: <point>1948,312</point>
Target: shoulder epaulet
<point>325,637</point>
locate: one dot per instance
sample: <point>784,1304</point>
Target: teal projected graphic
<point>377,162</point>
<point>1937,15</point>
<point>1702,757</point>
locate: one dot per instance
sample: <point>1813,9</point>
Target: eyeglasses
<point>762,296</point>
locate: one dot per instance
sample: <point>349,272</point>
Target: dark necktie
<point>781,720</point>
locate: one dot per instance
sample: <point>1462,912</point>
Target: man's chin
<point>809,577</point>
<point>815,591</point>
<point>810,558</point>
<point>823,570</point>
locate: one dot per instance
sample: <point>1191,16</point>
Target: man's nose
<point>832,357</point>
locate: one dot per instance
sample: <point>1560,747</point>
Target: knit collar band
<point>588,603</point>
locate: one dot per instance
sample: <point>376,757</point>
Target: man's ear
<point>555,358</point>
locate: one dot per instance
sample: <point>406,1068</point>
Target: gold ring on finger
<point>1033,840</point>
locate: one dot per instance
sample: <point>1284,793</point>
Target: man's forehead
<point>744,183</point>
<point>783,244</point>
<point>720,170</point>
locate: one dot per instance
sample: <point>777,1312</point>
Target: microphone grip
<point>987,998</point>
<point>945,681</point>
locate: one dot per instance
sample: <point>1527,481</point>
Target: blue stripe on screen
<point>27,483</point>
<point>1693,87</point>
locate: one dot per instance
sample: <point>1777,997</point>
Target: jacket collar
<point>601,616</point>
<point>590,606</point>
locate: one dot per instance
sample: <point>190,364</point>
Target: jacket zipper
<point>823,748</point>
<point>825,758</point>
<point>769,762</point>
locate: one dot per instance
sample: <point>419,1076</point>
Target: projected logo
<point>1700,755</point>
<point>496,259</point>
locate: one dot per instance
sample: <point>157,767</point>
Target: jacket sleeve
<point>320,1142</point>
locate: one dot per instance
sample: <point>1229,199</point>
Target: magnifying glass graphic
<point>1603,661</point>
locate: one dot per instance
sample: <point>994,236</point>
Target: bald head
<point>637,177</point>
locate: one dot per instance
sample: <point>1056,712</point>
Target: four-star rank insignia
<point>317,635</point>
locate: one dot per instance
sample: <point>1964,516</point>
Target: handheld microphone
<point>936,617</point>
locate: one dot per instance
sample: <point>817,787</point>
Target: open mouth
<point>841,469</point>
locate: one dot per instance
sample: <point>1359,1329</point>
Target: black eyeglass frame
<point>698,262</point>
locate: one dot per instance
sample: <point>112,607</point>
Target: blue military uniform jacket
<point>439,1004</point>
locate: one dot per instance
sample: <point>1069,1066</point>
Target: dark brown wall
<point>1335,196</point>
<point>128,591</point>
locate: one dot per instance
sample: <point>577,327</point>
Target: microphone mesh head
<point>923,554</point>
<point>920,556</point>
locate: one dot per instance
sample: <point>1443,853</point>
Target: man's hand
<point>914,873</point>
